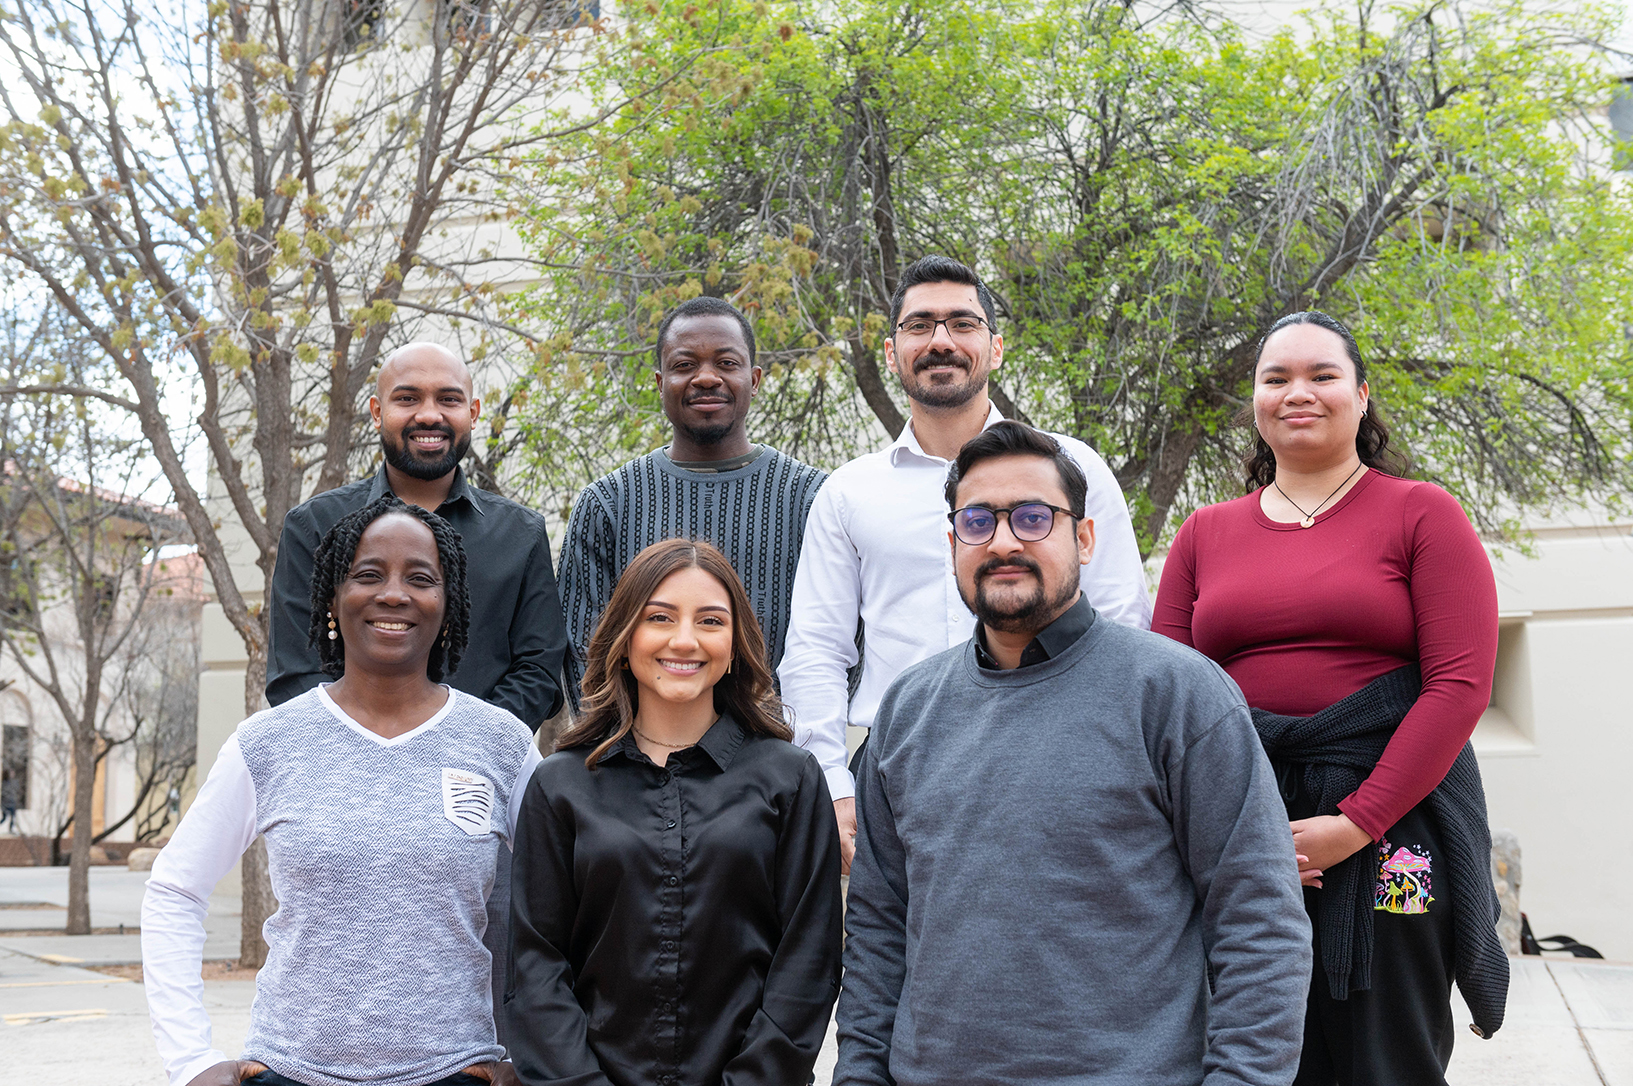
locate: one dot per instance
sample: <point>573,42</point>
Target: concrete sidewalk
<point>1569,1023</point>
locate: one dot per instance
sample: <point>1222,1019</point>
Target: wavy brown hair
<point>1371,438</point>
<point>611,695</point>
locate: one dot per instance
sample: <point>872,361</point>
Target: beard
<point>401,454</point>
<point>1023,609</point>
<point>936,394</point>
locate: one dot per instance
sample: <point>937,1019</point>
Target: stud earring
<point>333,636</point>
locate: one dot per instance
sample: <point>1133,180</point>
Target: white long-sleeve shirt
<point>876,549</point>
<point>382,854</point>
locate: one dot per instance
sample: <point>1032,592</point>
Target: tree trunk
<point>255,878</point>
<point>1167,476</point>
<point>871,381</point>
<point>258,905</point>
<point>79,854</point>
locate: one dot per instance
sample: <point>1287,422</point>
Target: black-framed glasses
<point>1029,522</point>
<point>925,327</point>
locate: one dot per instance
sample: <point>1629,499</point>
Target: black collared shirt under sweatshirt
<point>675,925</point>
<point>517,635</point>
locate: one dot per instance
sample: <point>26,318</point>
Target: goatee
<point>1026,612</point>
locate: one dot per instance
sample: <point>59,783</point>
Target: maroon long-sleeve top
<point>1303,617</point>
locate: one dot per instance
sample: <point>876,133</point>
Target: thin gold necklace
<point>659,742</point>
<point>1309,518</point>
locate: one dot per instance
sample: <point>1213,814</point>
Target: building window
<point>359,18</point>
<point>1621,124</point>
<point>14,750</point>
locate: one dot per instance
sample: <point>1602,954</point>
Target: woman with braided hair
<point>384,797</point>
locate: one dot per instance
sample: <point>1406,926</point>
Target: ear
<point>1085,541</point>
<point>476,408</point>
<point>754,376</point>
<point>997,351</point>
<point>374,410</point>
<point>890,355</point>
<point>1366,394</point>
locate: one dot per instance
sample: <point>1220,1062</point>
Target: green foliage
<point>1144,197</point>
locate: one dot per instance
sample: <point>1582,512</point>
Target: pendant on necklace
<point>1307,522</point>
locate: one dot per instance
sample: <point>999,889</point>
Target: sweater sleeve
<point>875,929</point>
<point>1454,606</point>
<point>1176,592</point>
<point>218,827</point>
<point>1231,832</point>
<point>588,575</point>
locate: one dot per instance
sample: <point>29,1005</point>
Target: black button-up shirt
<point>517,637</point>
<point>677,924</point>
<point>1051,641</point>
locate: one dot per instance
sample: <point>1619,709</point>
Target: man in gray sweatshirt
<point>1066,825</point>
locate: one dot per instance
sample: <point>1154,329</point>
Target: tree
<point>1145,195</point>
<point>245,202</point>
<point>81,582</point>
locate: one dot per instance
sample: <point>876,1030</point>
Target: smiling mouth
<point>394,626</point>
<point>687,667</point>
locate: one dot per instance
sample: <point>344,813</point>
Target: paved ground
<point>1570,1023</point>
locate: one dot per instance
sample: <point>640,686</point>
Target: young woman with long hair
<point>1357,611</point>
<point>384,797</point>
<point>675,913</point>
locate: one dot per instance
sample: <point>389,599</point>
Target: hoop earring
<point>333,636</point>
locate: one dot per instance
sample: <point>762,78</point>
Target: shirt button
<point>669,825</point>
<point>673,881</point>
<point>668,944</point>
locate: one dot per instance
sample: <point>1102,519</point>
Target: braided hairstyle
<point>333,561</point>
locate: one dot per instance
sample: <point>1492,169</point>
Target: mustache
<point>1014,561</point>
<point>942,358</point>
<point>709,397</point>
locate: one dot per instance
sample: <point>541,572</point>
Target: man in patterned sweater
<point>709,483</point>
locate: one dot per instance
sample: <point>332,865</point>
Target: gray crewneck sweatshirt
<point>1050,860</point>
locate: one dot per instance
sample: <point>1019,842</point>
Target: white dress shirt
<point>876,549</point>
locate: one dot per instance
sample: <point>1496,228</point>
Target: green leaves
<point>1144,198</point>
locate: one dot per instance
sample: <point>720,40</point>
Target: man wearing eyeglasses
<point>875,546</point>
<point>1126,841</point>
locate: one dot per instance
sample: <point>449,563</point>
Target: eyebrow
<point>705,607</point>
<point>416,388</point>
<point>956,311</point>
<point>1277,367</point>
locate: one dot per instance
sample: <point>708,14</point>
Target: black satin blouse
<point>675,926</point>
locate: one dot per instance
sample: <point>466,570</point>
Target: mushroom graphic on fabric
<point>1403,882</point>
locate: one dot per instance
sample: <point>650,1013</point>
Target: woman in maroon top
<point>1330,573</point>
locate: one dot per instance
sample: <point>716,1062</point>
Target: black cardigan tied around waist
<point>1335,750</point>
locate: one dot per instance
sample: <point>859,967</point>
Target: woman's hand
<point>498,1073</point>
<point>227,1073</point>
<point>1324,841</point>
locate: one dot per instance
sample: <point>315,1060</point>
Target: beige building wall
<point>1557,745</point>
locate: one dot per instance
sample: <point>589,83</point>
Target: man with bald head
<point>424,407</point>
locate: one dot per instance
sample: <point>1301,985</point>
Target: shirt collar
<point>1050,642</point>
<point>721,743</point>
<point>908,443</point>
<point>460,491</point>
